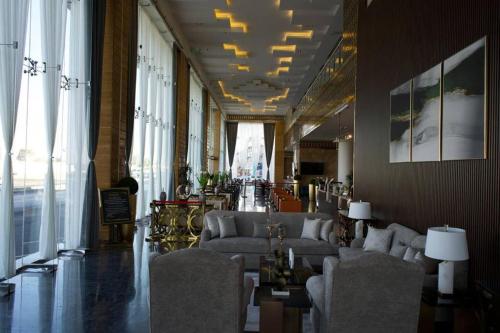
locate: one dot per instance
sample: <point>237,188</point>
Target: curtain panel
<point>90,222</point>
<point>13,18</point>
<point>53,27</point>
<point>268,144</point>
<point>151,157</point>
<point>231,134</point>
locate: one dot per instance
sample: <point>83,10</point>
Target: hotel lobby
<point>249,166</point>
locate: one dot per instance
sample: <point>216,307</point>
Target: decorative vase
<point>163,196</point>
<point>217,190</point>
<point>183,191</point>
<point>202,196</point>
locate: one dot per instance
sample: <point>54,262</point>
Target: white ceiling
<point>266,22</point>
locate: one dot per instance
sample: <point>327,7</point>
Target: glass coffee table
<point>283,313</point>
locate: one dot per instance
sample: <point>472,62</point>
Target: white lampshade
<point>445,243</point>
<point>360,210</point>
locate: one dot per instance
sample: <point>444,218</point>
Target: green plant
<point>313,182</point>
<point>203,178</point>
<point>215,178</point>
<point>297,177</point>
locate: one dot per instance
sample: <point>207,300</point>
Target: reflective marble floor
<point>106,291</point>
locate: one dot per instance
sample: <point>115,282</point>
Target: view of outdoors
<point>250,155</point>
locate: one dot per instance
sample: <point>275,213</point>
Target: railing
<point>326,74</point>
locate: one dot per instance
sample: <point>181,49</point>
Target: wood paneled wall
<point>181,81</point>
<point>110,156</point>
<point>397,41</point>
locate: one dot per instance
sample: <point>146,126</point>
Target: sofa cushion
<point>213,225</point>
<point>244,220</point>
<point>398,250</point>
<point>378,240</point>
<point>227,226</point>
<point>260,230</point>
<point>416,256</point>
<point>326,228</point>
<point>306,246</point>
<point>293,222</point>
<point>349,253</point>
<point>315,286</point>
<point>419,242</point>
<point>311,229</point>
<point>237,245</point>
<point>402,235</point>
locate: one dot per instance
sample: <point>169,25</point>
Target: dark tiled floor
<point>106,291</point>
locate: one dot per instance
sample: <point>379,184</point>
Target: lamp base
<point>445,279</point>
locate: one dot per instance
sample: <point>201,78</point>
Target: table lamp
<point>360,210</point>
<point>449,245</point>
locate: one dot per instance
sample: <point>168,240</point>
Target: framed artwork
<point>464,104</point>
<point>400,132</point>
<point>426,116</point>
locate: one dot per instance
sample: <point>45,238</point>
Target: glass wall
<point>49,137</point>
<point>152,151</point>
<point>250,155</point>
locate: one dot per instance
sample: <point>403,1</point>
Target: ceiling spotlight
<point>283,48</point>
<point>222,15</point>
<point>307,34</point>
<point>243,68</point>
<point>237,51</point>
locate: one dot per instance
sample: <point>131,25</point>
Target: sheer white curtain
<point>53,27</point>
<point>222,152</point>
<point>142,104</point>
<point>13,21</point>
<point>195,128</point>
<point>152,156</point>
<point>168,130</point>
<point>77,157</point>
<point>154,70</point>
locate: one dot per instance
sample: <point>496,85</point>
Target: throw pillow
<point>311,229</point>
<point>213,226</point>
<point>227,226</point>
<point>326,228</point>
<point>260,230</point>
<point>398,250</point>
<point>410,254</point>
<point>378,240</point>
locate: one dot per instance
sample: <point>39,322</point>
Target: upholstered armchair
<point>373,293</point>
<point>197,290</point>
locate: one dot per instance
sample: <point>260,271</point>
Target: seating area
<point>270,166</point>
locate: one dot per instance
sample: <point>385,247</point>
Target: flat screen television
<point>312,168</point>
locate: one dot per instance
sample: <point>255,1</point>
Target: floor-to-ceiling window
<point>48,151</point>
<point>152,151</point>
<point>195,139</point>
<point>250,155</point>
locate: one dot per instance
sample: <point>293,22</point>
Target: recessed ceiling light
<point>237,51</point>
<point>281,69</point>
<point>222,15</point>
<point>279,97</point>
<point>306,34</point>
<point>287,60</point>
<point>283,48</point>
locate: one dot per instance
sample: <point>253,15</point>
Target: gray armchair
<point>373,293</point>
<point>197,290</point>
